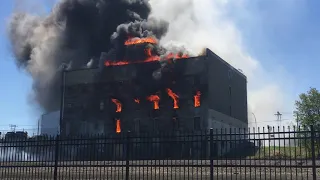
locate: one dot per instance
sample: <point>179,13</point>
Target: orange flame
<point>133,41</point>
<point>137,101</point>
<point>176,56</point>
<point>118,126</point>
<point>155,99</point>
<point>174,97</point>
<point>118,104</point>
<point>197,99</point>
<point>148,52</point>
<point>119,63</point>
<point>148,59</point>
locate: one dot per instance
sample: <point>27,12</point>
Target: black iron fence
<point>238,154</point>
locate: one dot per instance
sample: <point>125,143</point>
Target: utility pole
<point>255,121</point>
<point>13,127</point>
<point>279,115</point>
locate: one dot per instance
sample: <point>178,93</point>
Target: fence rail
<point>274,153</point>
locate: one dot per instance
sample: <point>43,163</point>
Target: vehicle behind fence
<point>274,153</point>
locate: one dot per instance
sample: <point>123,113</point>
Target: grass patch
<point>276,152</point>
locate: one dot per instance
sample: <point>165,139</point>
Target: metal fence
<point>215,154</point>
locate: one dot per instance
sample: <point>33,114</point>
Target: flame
<point>174,97</point>
<point>148,59</point>
<point>155,99</point>
<point>119,63</point>
<point>133,41</point>
<point>148,53</point>
<point>118,104</point>
<point>197,99</point>
<point>137,101</point>
<point>118,126</point>
<point>176,56</point>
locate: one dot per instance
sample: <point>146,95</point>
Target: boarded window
<point>136,125</point>
<point>197,123</point>
<point>175,121</point>
<point>101,105</point>
<point>156,124</point>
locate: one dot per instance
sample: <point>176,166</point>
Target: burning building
<point>157,94</point>
<point>138,84</point>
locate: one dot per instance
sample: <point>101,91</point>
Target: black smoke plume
<point>72,35</point>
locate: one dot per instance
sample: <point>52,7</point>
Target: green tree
<point>308,114</point>
<point>308,109</point>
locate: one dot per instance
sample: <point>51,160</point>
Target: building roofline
<point>206,55</point>
<point>225,62</point>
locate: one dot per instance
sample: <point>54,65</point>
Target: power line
<point>270,121</point>
<point>18,125</point>
<point>279,115</point>
<point>287,113</point>
<point>13,127</point>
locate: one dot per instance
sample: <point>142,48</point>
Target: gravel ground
<point>165,170</point>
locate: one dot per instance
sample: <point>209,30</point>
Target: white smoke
<point>11,153</point>
<point>205,23</point>
<point>14,154</point>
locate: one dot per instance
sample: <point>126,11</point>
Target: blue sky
<point>287,36</point>
<point>16,84</point>
<point>282,35</point>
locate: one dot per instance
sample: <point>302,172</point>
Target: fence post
<point>56,158</point>
<point>127,155</point>
<point>313,153</point>
<point>211,154</point>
